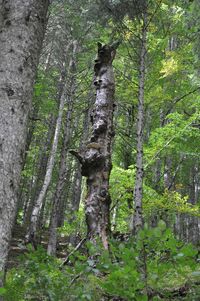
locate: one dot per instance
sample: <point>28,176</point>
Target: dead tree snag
<point>95,158</point>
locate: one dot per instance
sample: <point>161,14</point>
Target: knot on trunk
<point>91,159</point>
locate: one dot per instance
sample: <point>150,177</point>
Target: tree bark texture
<point>22,27</point>
<point>138,190</point>
<point>95,158</point>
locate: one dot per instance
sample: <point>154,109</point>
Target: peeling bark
<point>95,158</point>
<point>22,26</point>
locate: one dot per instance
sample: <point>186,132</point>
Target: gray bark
<point>59,187</point>
<point>22,26</point>
<point>137,222</point>
<point>95,158</point>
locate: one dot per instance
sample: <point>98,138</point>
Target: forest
<point>99,150</point>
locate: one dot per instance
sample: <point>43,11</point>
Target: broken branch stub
<point>95,158</point>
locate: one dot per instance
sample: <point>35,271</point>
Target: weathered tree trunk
<point>30,237</point>
<point>95,158</point>
<point>22,26</point>
<point>137,222</point>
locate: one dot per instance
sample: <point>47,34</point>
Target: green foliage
<point>176,136</point>
<point>166,204</point>
<point>38,278</point>
<point>156,256</point>
<point>155,260</point>
<point>76,224</point>
<point>173,202</point>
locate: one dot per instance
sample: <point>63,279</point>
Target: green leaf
<point>189,250</point>
<point>2,291</point>
<point>162,225</point>
<point>157,233</point>
<point>142,298</point>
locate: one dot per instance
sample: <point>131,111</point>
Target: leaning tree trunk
<point>59,187</point>
<point>95,158</point>
<point>22,26</point>
<point>56,206</point>
<point>138,190</point>
<point>31,235</point>
<point>40,167</point>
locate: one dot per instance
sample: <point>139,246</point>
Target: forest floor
<point>18,246</point>
<point>181,291</point>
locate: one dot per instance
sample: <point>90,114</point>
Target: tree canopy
<point>106,159</point>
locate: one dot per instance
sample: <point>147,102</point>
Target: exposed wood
<point>95,158</point>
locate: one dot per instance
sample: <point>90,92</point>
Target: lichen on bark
<point>95,157</point>
<point>22,27</point>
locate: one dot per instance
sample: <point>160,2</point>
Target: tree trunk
<point>63,160</point>
<point>41,166</point>
<point>137,222</point>
<point>95,158</point>
<point>66,194</point>
<point>22,26</point>
<point>76,192</point>
<point>30,237</point>
<point>59,187</point>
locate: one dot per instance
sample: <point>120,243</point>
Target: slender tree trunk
<point>41,167</point>
<point>63,161</point>
<point>22,26</point>
<point>95,158</point>
<point>173,178</point>
<point>167,172</point>
<point>66,194</point>
<point>59,187</point>
<point>75,199</point>
<point>30,237</point>
<point>127,148</point>
<point>76,193</point>
<point>137,222</point>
